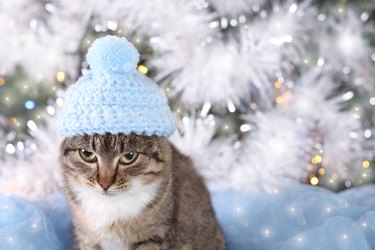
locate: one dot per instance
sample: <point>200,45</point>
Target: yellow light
<point>278,84</point>
<point>284,98</point>
<point>13,120</point>
<point>2,81</point>
<point>143,69</point>
<point>316,159</point>
<point>309,167</point>
<point>314,180</point>
<point>322,171</point>
<point>60,76</point>
<point>365,164</point>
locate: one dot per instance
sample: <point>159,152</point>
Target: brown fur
<point>179,217</point>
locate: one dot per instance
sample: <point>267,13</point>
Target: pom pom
<point>112,54</point>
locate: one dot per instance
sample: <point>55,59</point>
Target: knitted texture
<point>113,97</point>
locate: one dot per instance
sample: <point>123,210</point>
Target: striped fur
<point>157,202</point>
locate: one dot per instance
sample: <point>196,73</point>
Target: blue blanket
<point>298,217</point>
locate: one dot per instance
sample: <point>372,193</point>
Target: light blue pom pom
<point>112,55</point>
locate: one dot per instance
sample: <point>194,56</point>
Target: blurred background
<point>266,93</point>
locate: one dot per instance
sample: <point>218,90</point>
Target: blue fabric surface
<point>300,218</point>
<point>114,97</point>
<point>34,226</point>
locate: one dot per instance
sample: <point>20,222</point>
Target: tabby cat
<point>136,192</point>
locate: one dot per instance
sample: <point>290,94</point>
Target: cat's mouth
<point>108,192</point>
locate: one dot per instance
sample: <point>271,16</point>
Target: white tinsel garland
<point>207,62</point>
<point>38,174</point>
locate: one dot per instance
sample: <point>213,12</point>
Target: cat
<point>136,192</point>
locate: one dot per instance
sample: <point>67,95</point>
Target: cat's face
<point>112,164</point>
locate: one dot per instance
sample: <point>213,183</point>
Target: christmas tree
<point>266,94</point>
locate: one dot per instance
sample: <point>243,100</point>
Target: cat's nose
<point>105,184</point>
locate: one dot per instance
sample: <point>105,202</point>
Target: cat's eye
<point>128,158</point>
<point>87,155</point>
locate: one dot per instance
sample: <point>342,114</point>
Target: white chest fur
<point>103,210</point>
<point>108,242</point>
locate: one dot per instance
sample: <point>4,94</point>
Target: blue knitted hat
<point>113,97</point>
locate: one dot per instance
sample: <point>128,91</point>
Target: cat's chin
<point>109,192</point>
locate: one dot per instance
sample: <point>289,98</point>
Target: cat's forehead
<point>109,142</point>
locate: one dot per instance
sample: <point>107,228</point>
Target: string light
<point>233,22</point>
<point>284,98</point>
<point>278,84</point>
<point>112,25</point>
<point>322,171</point>
<point>20,146</point>
<point>186,120</point>
<point>316,159</point>
<point>365,164</point>
<point>143,69</point>
<point>320,61</point>
<point>59,102</point>
<point>29,104</point>
<point>13,121</point>
<point>60,76</point>
<point>242,19</point>
<point>245,127</point>
<point>231,106</point>
<point>310,167</point>
<point>10,149</point>
<point>32,125</point>
<point>50,110</point>
<point>314,180</point>
<point>205,109</point>
<point>293,8</point>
